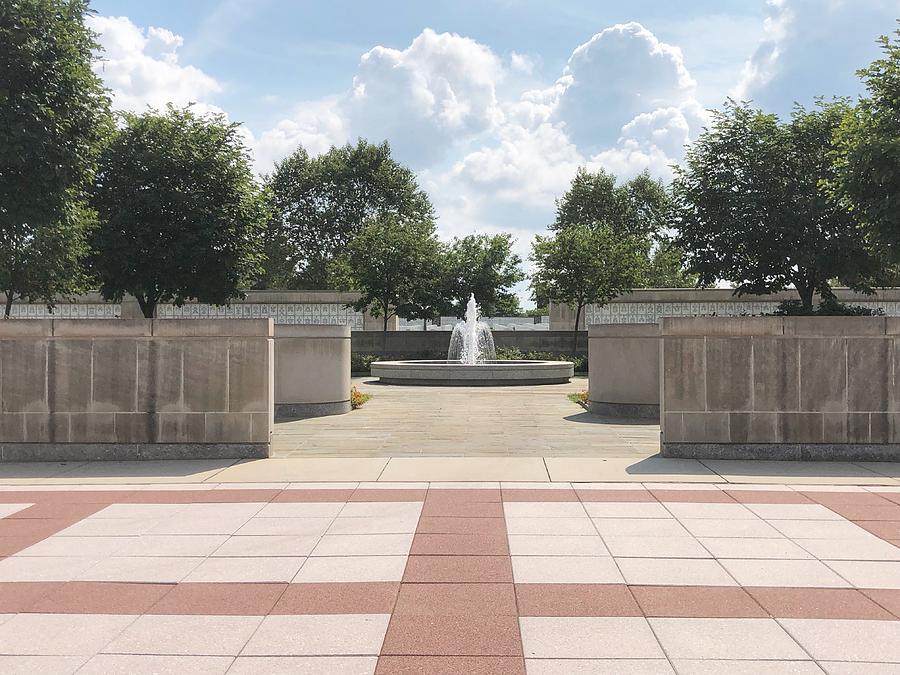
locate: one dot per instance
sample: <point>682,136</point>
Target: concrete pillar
<point>312,371</point>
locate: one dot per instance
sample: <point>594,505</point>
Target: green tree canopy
<point>867,153</point>
<point>396,265</point>
<point>639,206</point>
<point>586,264</point>
<point>53,115</point>
<point>321,203</point>
<point>180,213</point>
<point>752,209</point>
<point>485,265</point>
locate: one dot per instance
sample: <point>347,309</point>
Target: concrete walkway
<point>538,421</point>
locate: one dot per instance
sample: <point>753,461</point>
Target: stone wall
<point>649,305</point>
<point>312,375</point>
<point>781,388</point>
<point>624,374</point>
<point>414,343</point>
<point>135,389</point>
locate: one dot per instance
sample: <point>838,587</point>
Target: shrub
<point>516,354</point>
<point>581,398</point>
<point>358,398</point>
<point>828,307</point>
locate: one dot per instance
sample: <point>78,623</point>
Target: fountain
<point>472,361</point>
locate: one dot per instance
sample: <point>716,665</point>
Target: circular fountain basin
<point>483,374</point>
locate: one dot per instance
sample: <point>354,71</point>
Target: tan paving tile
<point>185,635</point>
<point>588,638</point>
<point>565,570</point>
<point>737,639</point>
<point>60,634</point>
<point>595,666</point>
<point>304,469</point>
<point>308,665</point>
<point>143,664</point>
<point>465,469</point>
<point>847,640</point>
<point>319,634</point>
<point>610,469</point>
<point>673,572</point>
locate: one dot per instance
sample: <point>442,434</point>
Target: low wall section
<point>135,389</point>
<point>312,375</point>
<point>781,388</point>
<point>624,373</point>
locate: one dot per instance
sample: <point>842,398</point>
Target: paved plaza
<point>450,578</point>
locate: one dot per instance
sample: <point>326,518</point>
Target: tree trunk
<point>147,305</point>
<point>384,333</point>
<point>806,292</point>
<point>425,324</point>
<point>9,304</point>
<point>575,334</point>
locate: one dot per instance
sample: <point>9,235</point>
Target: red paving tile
<point>90,597</point>
<point>890,496</point>
<point>538,495</point>
<point>450,665</point>
<point>693,496</point>
<point>456,495</point>
<point>453,636</point>
<point>462,509</point>
<point>459,544</point>
<point>456,599</point>
<point>387,495</point>
<point>887,598</point>
<point>576,600</point>
<point>768,497</point>
<point>854,512</point>
<point>696,601</point>
<point>21,596</point>
<point>12,545</point>
<point>817,603</point>
<point>40,528</point>
<point>219,599</point>
<point>48,510</point>
<point>451,525</point>
<point>162,497</point>
<point>886,529</point>
<point>614,495</point>
<point>323,495</point>
<point>848,498</point>
<point>458,569</point>
<point>235,496</point>
<point>338,598</point>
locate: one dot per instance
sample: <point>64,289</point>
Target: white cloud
<point>141,67</point>
<point>813,48</point>
<point>522,63</point>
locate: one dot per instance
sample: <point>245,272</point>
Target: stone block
<point>12,427</point>
<point>672,429</point>
<point>684,379</point>
<point>834,427</point>
<point>205,375</point>
<point>705,427</point>
<point>879,427</point>
<point>137,427</point>
<point>823,374</point>
<point>69,375</point>
<point>159,378</point>
<point>37,427</point>
<point>92,428</point>
<point>179,427</point>
<point>58,427</point>
<point>23,375</point>
<point>115,373</point>
<point>213,328</point>
<point>101,328</point>
<point>312,365</point>
<point>262,425</point>
<point>25,328</point>
<point>722,326</point>
<point>868,374</point>
<point>776,374</point>
<point>629,370</point>
<point>739,427</point>
<point>800,427</point>
<point>728,373</point>
<point>858,425</point>
<point>763,427</point>
<point>621,330</point>
<point>249,364</point>
<point>834,325</point>
<point>228,428</point>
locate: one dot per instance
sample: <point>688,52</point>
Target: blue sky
<point>495,103</point>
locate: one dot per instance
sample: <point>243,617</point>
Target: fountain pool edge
<point>487,374</point>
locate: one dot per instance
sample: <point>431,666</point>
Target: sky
<point>494,103</point>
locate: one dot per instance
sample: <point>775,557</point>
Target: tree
<point>321,203</point>
<point>180,213</point>
<point>485,265</point>
<point>639,206</point>
<point>666,268</point>
<point>867,155</point>
<point>752,210</point>
<point>392,263</point>
<point>53,115</point>
<point>586,264</point>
